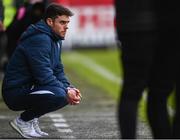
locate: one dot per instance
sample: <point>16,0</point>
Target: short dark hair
<point>54,9</point>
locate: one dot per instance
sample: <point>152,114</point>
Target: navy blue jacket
<point>36,60</point>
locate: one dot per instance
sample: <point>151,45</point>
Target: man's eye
<point>63,22</point>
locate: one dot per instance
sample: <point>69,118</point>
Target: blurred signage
<point>92,24</point>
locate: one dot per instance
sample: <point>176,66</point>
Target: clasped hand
<point>74,96</point>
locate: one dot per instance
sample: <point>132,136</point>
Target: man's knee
<point>58,101</point>
<point>61,100</point>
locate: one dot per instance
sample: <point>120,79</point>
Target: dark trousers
<point>35,102</point>
<point>137,57</point>
<point>176,121</point>
<point>144,66</point>
<point>150,60</point>
<point>162,83</point>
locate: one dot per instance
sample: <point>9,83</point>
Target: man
<point>27,14</point>
<point>35,80</point>
<point>149,37</point>
<point>165,73</point>
<point>136,31</point>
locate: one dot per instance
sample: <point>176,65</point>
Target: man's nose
<point>66,26</point>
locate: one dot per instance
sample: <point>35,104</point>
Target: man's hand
<point>74,96</point>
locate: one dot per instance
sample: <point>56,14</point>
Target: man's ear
<point>49,21</point>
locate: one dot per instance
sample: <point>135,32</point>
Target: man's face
<point>59,25</point>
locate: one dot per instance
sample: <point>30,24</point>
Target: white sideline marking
<point>171,111</point>
<point>3,117</point>
<point>61,125</point>
<point>64,130</point>
<point>91,64</point>
<point>59,120</point>
<point>55,116</point>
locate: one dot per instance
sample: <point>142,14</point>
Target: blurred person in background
<point>28,13</point>
<point>164,77</point>
<point>146,32</point>
<point>3,39</point>
<point>34,81</point>
<point>176,118</point>
<point>137,34</point>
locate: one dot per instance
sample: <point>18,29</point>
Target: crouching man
<point>34,81</point>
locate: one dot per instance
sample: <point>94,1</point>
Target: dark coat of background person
<point>1,10</point>
<point>32,14</point>
<point>3,38</point>
<point>147,31</point>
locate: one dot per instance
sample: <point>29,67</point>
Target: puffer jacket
<point>36,60</point>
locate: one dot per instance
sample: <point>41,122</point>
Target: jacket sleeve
<point>38,54</point>
<point>61,75</point>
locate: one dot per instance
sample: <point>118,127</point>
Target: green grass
<point>109,59</point>
<point>83,63</point>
